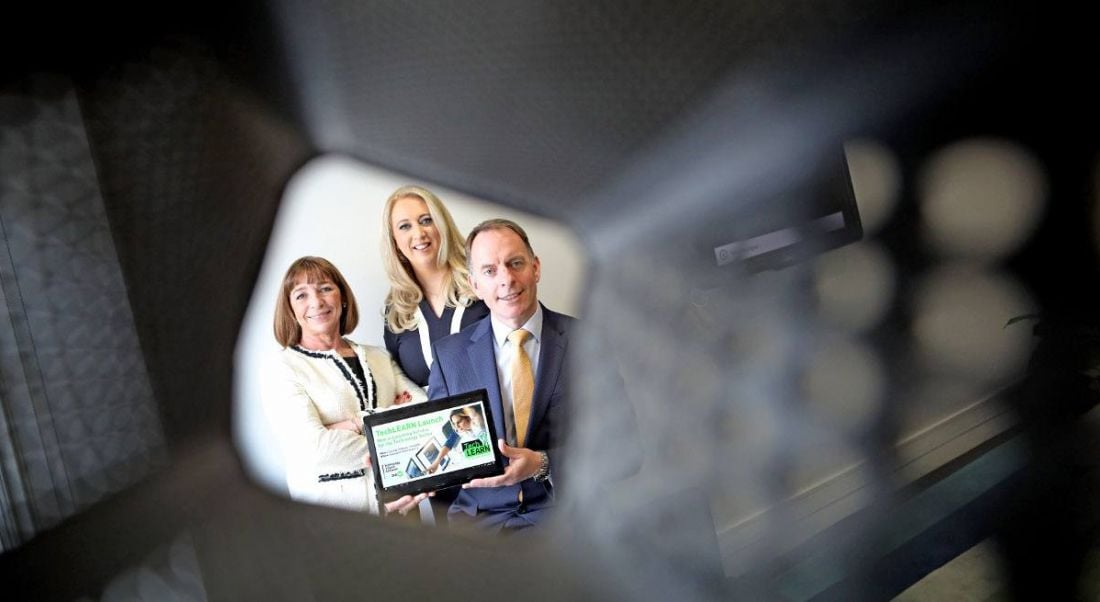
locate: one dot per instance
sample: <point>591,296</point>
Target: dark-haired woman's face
<point>317,307</point>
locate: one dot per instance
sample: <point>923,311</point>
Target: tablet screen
<point>433,444</point>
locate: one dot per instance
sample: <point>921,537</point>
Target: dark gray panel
<point>79,407</point>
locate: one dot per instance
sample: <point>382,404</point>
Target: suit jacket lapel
<point>551,360</point>
<point>483,359</point>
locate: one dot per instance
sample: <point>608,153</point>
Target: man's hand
<point>524,464</point>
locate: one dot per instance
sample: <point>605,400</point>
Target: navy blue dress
<point>405,347</point>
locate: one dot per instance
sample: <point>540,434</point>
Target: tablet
<point>432,445</point>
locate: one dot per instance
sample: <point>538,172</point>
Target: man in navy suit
<point>505,271</point>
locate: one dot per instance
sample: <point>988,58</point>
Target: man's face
<point>505,275</point>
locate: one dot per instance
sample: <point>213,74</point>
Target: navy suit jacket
<point>466,361</point>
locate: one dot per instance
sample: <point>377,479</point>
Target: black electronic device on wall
<point>812,214</point>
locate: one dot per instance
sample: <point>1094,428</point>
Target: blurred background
<point>843,254</point>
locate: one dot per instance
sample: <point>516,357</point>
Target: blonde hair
<point>405,293</point>
<point>316,269</point>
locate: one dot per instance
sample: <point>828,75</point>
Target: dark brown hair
<point>315,269</point>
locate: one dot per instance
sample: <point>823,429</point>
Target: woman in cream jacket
<point>321,385</point>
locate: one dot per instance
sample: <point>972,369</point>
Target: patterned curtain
<point>79,420</point>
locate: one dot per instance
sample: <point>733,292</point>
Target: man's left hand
<point>523,464</point>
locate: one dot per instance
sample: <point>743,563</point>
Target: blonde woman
<point>321,385</point>
<point>430,295</point>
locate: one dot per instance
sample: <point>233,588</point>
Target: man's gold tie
<point>523,385</point>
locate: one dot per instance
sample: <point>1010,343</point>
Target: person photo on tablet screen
<point>460,428</point>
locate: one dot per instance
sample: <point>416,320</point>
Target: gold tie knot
<point>519,337</point>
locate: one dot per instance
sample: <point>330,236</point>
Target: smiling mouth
<point>511,297</point>
<point>319,315</point>
<point>422,246</point>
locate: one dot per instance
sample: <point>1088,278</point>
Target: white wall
<point>332,208</point>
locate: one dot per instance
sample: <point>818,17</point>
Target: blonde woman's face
<point>414,231</point>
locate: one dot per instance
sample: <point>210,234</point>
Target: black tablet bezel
<point>443,480</point>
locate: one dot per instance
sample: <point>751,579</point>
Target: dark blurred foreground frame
<point>194,123</point>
